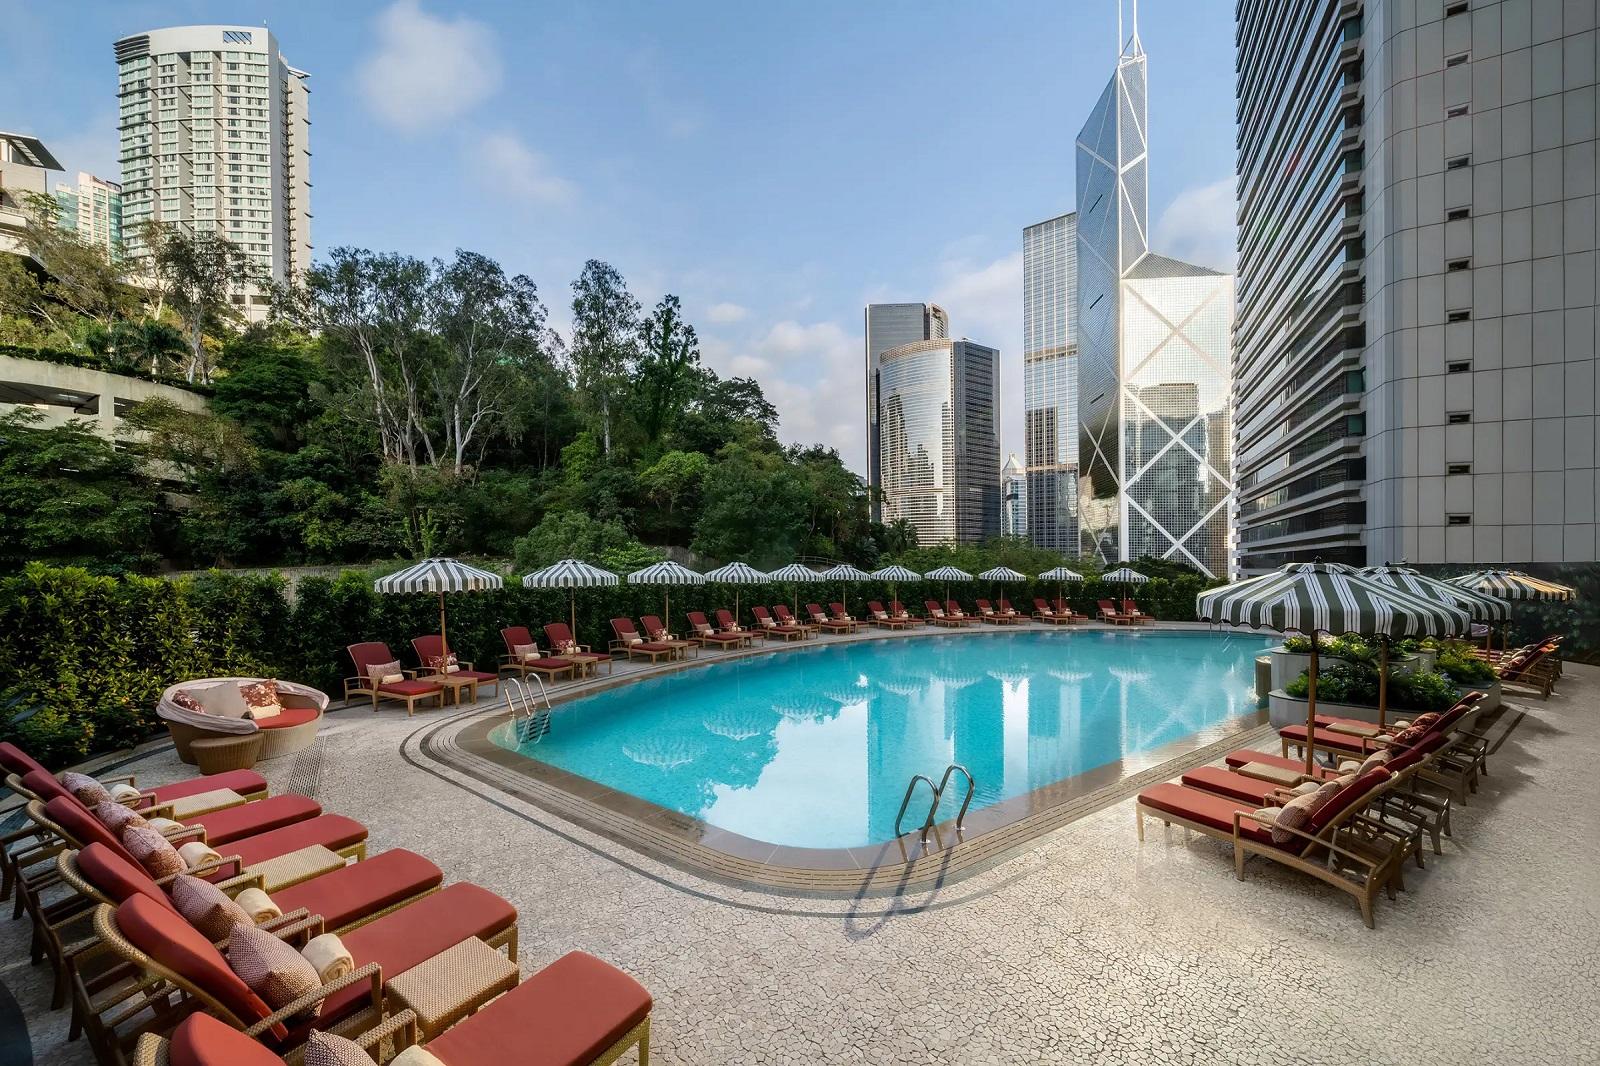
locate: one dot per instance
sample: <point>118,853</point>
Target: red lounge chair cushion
<point>1203,808</point>
<point>362,888</point>
<point>287,718</point>
<point>174,944</point>
<point>244,782</point>
<point>416,933</point>
<point>1238,758</point>
<point>1345,797</point>
<point>564,1015</point>
<point>43,783</point>
<point>116,877</point>
<point>409,688</point>
<point>84,828</point>
<point>201,1040</point>
<point>548,664</point>
<point>1325,738</point>
<point>1234,786</point>
<point>332,831</point>
<point>252,819</point>
<point>16,761</point>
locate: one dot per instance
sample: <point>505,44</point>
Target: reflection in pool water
<point>813,747</point>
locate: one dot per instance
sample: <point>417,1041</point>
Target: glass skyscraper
<point>940,452</point>
<point>1154,359</point>
<point>889,326</point>
<point>1050,381</point>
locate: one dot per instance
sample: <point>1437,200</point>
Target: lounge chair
<point>1043,612</point>
<point>837,613</point>
<point>1005,610</point>
<point>224,821</point>
<point>811,629</point>
<point>566,646</point>
<point>629,642</point>
<point>952,610</point>
<point>703,631</point>
<point>822,621</point>
<point>937,616</point>
<point>883,619</point>
<point>898,612</point>
<point>430,652</point>
<point>1531,667</point>
<point>1110,614</point>
<point>655,631</point>
<point>771,629</point>
<point>408,690</point>
<point>726,623</point>
<point>577,1011</point>
<point>1340,845</point>
<point>989,614</point>
<point>523,657</point>
<point>1130,610</point>
<point>1065,610</point>
<point>192,975</point>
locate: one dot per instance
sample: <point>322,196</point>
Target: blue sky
<point>776,164</point>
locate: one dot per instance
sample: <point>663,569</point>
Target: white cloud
<point>512,165</point>
<point>726,312</point>
<point>428,70</point>
<point>1200,226</point>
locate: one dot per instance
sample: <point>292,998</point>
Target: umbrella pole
<point>1383,680</point>
<point>572,613</point>
<point>444,643</point>
<point>1311,704</point>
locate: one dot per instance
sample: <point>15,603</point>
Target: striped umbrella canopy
<point>796,574</point>
<point>1513,585</point>
<point>1481,607</point>
<point>735,574</point>
<point>666,573</point>
<point>570,574</point>
<point>1316,598</point>
<point>894,575</point>
<point>947,574</point>
<point>1002,574</point>
<point>439,576</point>
<point>1125,576</point>
<point>845,573</point>
<point>1060,575</point>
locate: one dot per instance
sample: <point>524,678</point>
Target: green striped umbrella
<point>947,574</point>
<point>1060,575</point>
<point>796,574</point>
<point>1482,606</point>
<point>735,574</point>
<point>1331,598</point>
<point>894,575</point>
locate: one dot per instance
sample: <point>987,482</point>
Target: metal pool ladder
<point>529,721</point>
<point>938,794</point>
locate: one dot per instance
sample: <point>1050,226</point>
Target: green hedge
<point>90,654</point>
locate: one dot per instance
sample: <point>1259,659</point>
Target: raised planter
<point>1288,665</point>
<point>1284,709</point>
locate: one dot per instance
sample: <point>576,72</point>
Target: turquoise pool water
<point>813,747</point>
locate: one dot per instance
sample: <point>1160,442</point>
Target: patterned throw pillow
<point>187,702</point>
<point>261,699</point>
<point>445,664</point>
<point>525,653</point>
<point>272,969</point>
<point>1296,814</point>
<point>1426,720</point>
<point>385,674</point>
<point>1372,762</point>
<point>1407,737</point>
<point>152,850</point>
<point>207,908</point>
<point>115,817</point>
<point>87,789</point>
<point>330,1049</point>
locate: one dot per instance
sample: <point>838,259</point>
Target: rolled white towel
<point>416,1055</point>
<point>122,792</point>
<point>258,905</point>
<point>195,853</point>
<point>328,956</point>
<point>164,826</point>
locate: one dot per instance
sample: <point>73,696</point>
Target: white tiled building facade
<point>215,137</point>
<point>1418,281</point>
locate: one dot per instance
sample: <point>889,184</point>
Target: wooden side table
<point>453,684</point>
<point>217,755</point>
<point>451,985</point>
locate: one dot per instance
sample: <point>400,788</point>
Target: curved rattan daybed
<point>283,734</point>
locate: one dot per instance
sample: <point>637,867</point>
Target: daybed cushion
<point>250,819</point>
<point>332,831</point>
<point>1203,808</point>
<point>362,888</point>
<point>578,1006</point>
<point>288,718</point>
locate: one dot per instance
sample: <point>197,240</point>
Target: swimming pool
<point>813,747</point>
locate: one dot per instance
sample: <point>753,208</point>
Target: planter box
<point>1284,709</point>
<point>1288,665</point>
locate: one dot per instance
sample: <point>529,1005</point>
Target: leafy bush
<point>1464,669</point>
<point>1357,685</point>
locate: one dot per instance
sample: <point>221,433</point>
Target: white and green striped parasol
<point>735,574</point>
<point>570,574</point>
<point>667,573</point>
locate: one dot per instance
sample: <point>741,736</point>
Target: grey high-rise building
<point>940,451</point>
<point>1050,381</point>
<point>1154,358</point>
<point>1417,242</point>
<point>889,326</point>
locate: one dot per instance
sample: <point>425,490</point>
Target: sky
<point>777,164</point>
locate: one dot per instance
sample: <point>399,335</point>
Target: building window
<point>1458,468</point>
<point>1459,519</point>
<point>1458,418</point>
<point>1460,366</point>
<point>1458,316</point>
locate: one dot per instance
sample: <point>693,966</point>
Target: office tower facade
<point>1417,371</point>
<point>1154,359</point>
<point>889,326</point>
<point>940,452</point>
<point>92,209</point>
<point>215,138</point>
<point>1050,381</point>
<point>25,165</point>
<point>1013,498</point>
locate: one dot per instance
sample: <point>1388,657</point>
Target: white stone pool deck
<point>1085,947</point>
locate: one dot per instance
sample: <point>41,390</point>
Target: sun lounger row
<point>232,928</point>
<point>1353,825</point>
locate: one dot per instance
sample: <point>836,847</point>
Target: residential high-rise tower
<point>93,210</point>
